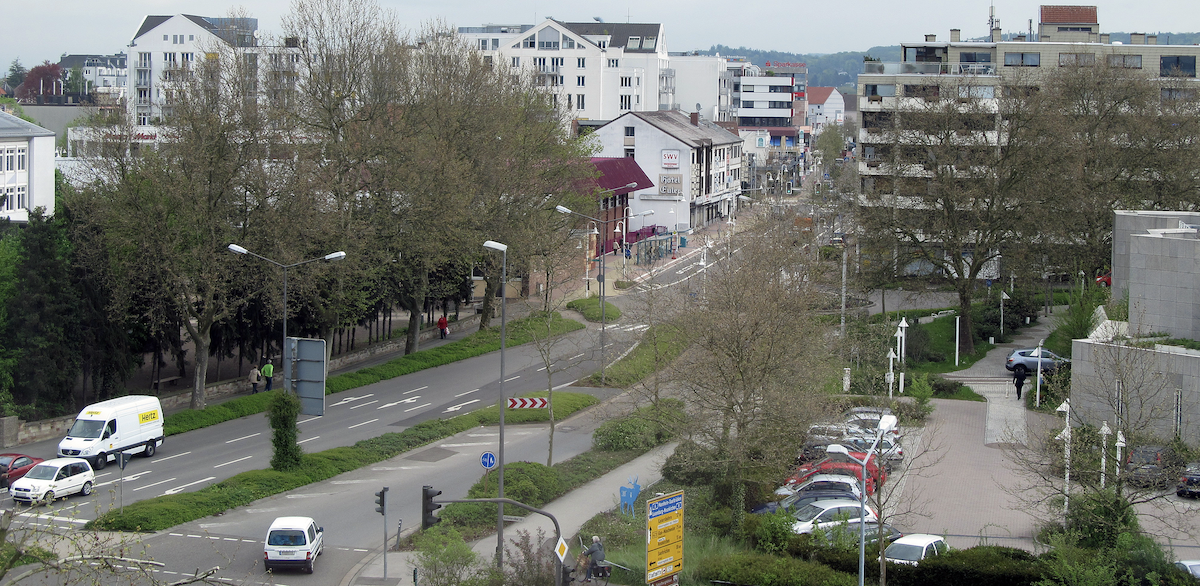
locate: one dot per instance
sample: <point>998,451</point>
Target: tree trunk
<point>966,338</point>
<point>550,409</point>
<point>489,299</point>
<point>200,338</point>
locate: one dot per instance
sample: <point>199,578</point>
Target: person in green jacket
<point>268,373</point>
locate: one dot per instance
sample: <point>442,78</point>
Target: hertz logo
<point>148,416</point>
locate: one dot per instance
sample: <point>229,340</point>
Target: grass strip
<point>590,308</point>
<point>162,512</point>
<point>659,345</point>
<point>520,331</point>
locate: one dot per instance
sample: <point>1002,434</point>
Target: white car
<point>911,549</point>
<point>1190,566</point>
<point>54,479</point>
<point>825,514</point>
<point>823,482</point>
<point>293,542</point>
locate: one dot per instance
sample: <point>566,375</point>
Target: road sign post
<point>528,402</point>
<point>487,460</point>
<point>664,537</point>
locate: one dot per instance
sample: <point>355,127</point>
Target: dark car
<point>802,498</point>
<point>1026,360</point>
<point>1152,466</point>
<point>14,466</point>
<point>1189,481</point>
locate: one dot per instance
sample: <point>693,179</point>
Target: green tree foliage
<point>444,559</point>
<point>282,413</point>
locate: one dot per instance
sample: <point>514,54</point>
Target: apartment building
<point>826,105</point>
<point>106,76</point>
<point>696,166</point>
<point>26,168</point>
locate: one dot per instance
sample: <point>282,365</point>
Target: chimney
<point>1104,38</point>
<point>1151,39</point>
<point>1020,38</point>
<point>1137,38</point>
<point>955,35</point>
<point>930,38</point>
<point>996,35</point>
<point>695,116</point>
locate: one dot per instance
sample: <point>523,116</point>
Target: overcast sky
<point>40,30</point>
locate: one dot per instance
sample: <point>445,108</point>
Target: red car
<point>14,466</point>
<point>1105,280</point>
<point>836,464</point>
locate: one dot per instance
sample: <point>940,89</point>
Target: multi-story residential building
<point>704,84</point>
<point>696,165</point>
<point>106,76</point>
<point>825,106</point>
<point>598,70</point>
<point>976,71</point>
<point>26,168</point>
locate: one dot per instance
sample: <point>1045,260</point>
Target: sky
<point>36,31</point>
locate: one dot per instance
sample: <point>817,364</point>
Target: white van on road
<point>131,424</point>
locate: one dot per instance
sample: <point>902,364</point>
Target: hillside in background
<point>842,69</point>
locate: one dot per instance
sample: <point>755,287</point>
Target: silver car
<point>1025,361</point>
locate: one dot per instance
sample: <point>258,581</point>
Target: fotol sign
<point>670,158</point>
<point>664,537</point>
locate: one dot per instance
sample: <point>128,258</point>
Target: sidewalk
<point>571,510</point>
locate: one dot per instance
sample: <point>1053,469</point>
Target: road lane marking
<point>169,457</point>
<point>459,406</point>
<point>540,369</point>
<point>129,478</point>
<point>415,390</point>
<point>466,393</point>
<point>155,484</point>
<point>307,420</point>
<point>466,445</point>
<point>575,356</point>
<point>238,439</point>
<point>394,403</point>
<point>513,378</point>
<point>361,424</point>
<point>417,407</point>
<point>352,399</point>
<point>309,439</point>
<point>179,489</point>
<point>233,461</point>
<point>364,404</point>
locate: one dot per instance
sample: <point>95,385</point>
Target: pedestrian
<point>268,372</point>
<point>595,554</point>
<point>255,378</point>
<point>444,326</point>
<point>1019,381</point>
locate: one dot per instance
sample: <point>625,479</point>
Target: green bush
<point>643,429</point>
<point>590,308</point>
<point>678,467</point>
<point>772,532</point>
<point>770,570</point>
<point>985,565</point>
<point>659,346</point>
<point>918,345</point>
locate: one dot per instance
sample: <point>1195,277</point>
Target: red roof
<point>818,95</point>
<point>617,173</point>
<point>1069,15</point>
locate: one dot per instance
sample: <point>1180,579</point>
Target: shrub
<point>985,565</point>
<point>769,570</point>
<point>771,532</point>
<point>284,409</point>
<point>918,345</point>
<point>590,308</point>
<point>643,429</point>
<point>679,468</point>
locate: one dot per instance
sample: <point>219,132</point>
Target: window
<point>628,153</point>
<point>483,44</point>
<point>626,102</point>
<point>187,58</point>
<point>887,90</point>
<point>1172,94</point>
<point>1177,66</point>
<point>191,37</point>
<point>166,37</point>
<point>976,57</point>
<point>986,92</point>
<point>779,105</point>
<point>1076,59</point>
<point>568,42</point>
<point>143,118</point>
<point>747,88</point>
<point>579,101</point>
<point>649,42</point>
<point>626,82</point>
<point>21,203</point>
<point>516,61</point>
<point>9,160</point>
<point>548,39</point>
<point>1125,61</point>
<point>20,159</point>
<point>614,63</point>
<point>579,81</point>
<point>629,130</point>
<point>581,62</point>
<point>530,42</point>
<point>1023,59</point>
<point>779,89</point>
<point>634,44</point>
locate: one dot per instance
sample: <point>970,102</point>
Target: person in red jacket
<point>444,326</point>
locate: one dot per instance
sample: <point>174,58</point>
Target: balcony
<point>878,68</point>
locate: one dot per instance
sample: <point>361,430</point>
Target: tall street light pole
<point>339,255</point>
<point>503,248</point>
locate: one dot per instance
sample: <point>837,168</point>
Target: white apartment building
<point>825,106</point>
<point>704,84</point>
<point>774,101</point>
<point>26,168</point>
<point>599,70</point>
<point>106,76</point>
<point>696,166</point>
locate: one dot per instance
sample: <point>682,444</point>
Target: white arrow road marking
<point>417,407</point>
<point>361,424</point>
<point>352,399</point>
<point>155,484</point>
<point>364,404</point>
<point>52,518</point>
<point>129,478</point>
<point>179,489</point>
<point>393,404</point>
<point>466,393</point>
<point>233,461</point>
<point>169,457</point>
<point>238,439</point>
<point>415,390</point>
<point>309,439</point>
<point>460,406</point>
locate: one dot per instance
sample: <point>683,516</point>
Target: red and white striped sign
<point>524,403</point>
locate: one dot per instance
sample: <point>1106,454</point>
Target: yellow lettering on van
<point>148,416</point>
<point>91,412</point>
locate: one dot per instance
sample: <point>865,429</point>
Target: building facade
<point>105,76</point>
<point>26,168</point>
<point>825,106</point>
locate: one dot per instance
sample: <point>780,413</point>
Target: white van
<point>293,542</point>
<point>131,424</point>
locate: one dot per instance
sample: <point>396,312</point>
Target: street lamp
<point>903,337</point>
<point>886,424</point>
<point>339,255</point>
<point>503,248</point>
<point>1065,437</point>
<point>891,374</point>
<point>1037,399</point>
<point>600,279</point>
<point>1104,433</point>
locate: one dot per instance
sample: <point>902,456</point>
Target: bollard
<point>399,526</point>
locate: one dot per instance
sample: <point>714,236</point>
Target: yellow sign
<point>664,536</point>
<point>561,550</point>
<point>148,416</point>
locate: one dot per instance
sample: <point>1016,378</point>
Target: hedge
<point>768,570</point>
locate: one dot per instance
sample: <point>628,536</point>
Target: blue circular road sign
<point>487,460</point>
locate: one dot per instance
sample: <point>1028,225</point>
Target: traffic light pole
<point>381,500</point>
<point>557,530</point>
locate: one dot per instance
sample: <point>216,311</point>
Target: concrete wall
<point>1164,271</point>
<point>1125,224</point>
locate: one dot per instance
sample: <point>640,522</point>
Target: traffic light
<point>789,188</point>
<point>428,519</point>
<point>381,500</point>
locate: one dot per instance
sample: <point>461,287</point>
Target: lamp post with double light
<point>886,424</point>
<point>333,256</point>
<point>503,248</point>
<point>600,278</point>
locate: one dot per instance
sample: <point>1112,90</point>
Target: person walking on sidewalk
<point>443,326</point>
<point>268,372</point>
<point>255,378</point>
<point>1019,381</point>
<point>595,555</point>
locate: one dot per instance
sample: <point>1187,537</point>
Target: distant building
<point>26,168</point>
<point>105,76</point>
<point>825,106</point>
